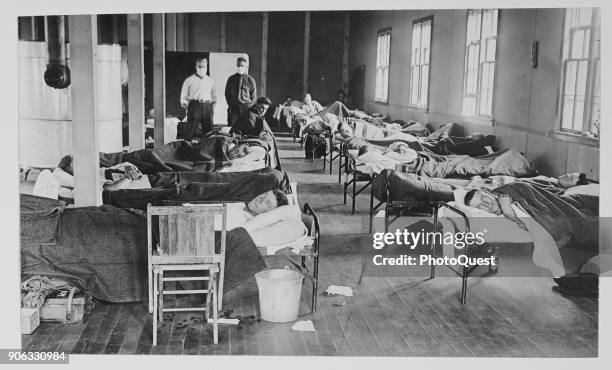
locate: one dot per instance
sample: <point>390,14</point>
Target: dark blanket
<point>103,250</point>
<point>391,185</point>
<point>563,216</point>
<point>210,154</point>
<point>199,186</point>
<point>506,162</point>
<point>473,147</point>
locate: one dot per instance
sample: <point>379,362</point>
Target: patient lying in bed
<point>554,219</point>
<point>121,176</point>
<point>269,219</point>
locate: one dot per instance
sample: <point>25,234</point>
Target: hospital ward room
<point>398,183</point>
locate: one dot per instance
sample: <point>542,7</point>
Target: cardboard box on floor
<point>63,308</point>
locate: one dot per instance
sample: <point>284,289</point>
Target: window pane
<point>491,46</point>
<point>491,80</point>
<point>581,78</point>
<point>586,44</point>
<point>570,78</point>
<point>578,112</point>
<point>577,44</point>
<point>426,34</point>
<point>585,16</point>
<point>469,106</point>
<point>413,85</point>
<point>424,86</point>
<point>568,111</point>
<point>596,110</point>
<point>416,36</point>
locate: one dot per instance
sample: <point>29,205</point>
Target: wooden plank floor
<point>387,316</point>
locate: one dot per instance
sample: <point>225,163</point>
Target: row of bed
<point>103,250</point>
<point>430,175</point>
<point>409,169</point>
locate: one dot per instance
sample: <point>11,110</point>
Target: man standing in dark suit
<point>240,91</point>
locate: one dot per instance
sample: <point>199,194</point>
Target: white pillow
<point>46,185</point>
<point>63,178</point>
<point>459,195</point>
<point>590,189</point>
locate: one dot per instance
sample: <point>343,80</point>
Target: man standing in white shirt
<point>199,96</point>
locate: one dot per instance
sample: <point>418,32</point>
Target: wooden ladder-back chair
<point>185,241</point>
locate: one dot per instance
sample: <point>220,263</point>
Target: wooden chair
<point>186,242</point>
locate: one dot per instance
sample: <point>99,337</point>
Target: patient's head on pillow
<point>483,199</point>
<point>331,121</point>
<point>572,179</point>
<point>65,164</point>
<point>237,151</point>
<point>476,136</point>
<point>267,201</point>
<point>400,147</point>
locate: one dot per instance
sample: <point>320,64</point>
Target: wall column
<point>222,34</point>
<point>264,54</point>
<point>345,52</point>
<point>306,52</point>
<point>159,76</point>
<point>83,33</point>
<point>136,89</point>
<point>171,32</point>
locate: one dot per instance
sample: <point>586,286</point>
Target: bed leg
<point>340,168</point>
<point>371,207</point>
<point>354,191</point>
<point>464,285</point>
<point>315,284</point>
<point>345,188</point>
<point>155,313</point>
<point>324,161</point>
<point>387,208</point>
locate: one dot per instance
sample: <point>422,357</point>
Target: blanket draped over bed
<point>103,250</point>
<point>572,219</point>
<point>400,186</point>
<point>211,154</point>
<point>199,186</point>
<point>506,162</point>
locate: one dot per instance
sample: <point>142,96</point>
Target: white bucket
<point>279,294</point>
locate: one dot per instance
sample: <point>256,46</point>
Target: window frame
<point>592,60</point>
<point>380,33</point>
<point>416,106</point>
<point>477,116</point>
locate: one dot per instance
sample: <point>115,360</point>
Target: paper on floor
<point>306,325</point>
<point>338,289</point>
<point>222,320</point>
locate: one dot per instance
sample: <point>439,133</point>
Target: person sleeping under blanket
<point>557,185</point>
<point>121,176</point>
<point>268,218</point>
<point>555,220</point>
<point>378,158</point>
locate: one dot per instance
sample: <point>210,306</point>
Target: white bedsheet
<point>499,229</point>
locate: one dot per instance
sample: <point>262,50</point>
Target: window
<point>383,49</point>
<point>580,90</point>
<point>479,72</point>
<point>419,62</point>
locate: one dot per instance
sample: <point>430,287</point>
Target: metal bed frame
<point>436,250</point>
<point>312,252</point>
<point>398,207</point>
<point>465,271</point>
<point>350,167</point>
